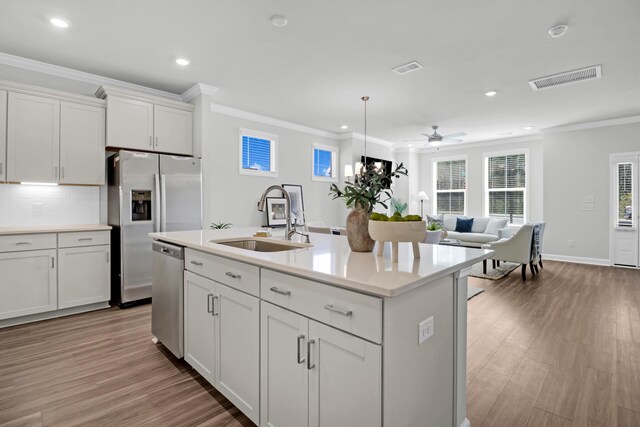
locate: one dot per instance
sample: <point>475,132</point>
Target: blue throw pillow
<point>464,225</point>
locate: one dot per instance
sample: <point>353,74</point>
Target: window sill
<point>265,174</point>
<point>323,179</point>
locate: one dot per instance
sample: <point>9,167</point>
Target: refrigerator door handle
<point>156,201</point>
<point>163,203</point>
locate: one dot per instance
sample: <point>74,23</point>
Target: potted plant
<point>434,233</point>
<point>371,187</point>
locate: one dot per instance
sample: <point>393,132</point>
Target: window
<point>324,163</point>
<point>625,195</point>
<point>506,189</point>
<point>450,186</point>
<point>257,153</point>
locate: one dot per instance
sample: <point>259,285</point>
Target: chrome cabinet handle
<point>150,141</point>
<point>209,309</point>
<point>198,263</point>
<point>156,141</point>
<point>310,366</point>
<point>85,239</point>
<point>279,291</point>
<point>346,313</point>
<point>214,312</point>
<point>22,243</point>
<point>232,275</point>
<point>53,262</point>
<point>62,172</point>
<point>1,167</point>
<point>300,360</point>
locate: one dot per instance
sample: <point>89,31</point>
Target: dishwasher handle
<point>167,249</point>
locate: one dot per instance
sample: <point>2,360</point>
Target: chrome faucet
<point>263,200</point>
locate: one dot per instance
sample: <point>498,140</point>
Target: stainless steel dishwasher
<point>167,295</point>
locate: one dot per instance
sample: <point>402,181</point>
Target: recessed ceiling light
<point>279,20</point>
<point>344,127</point>
<point>183,61</point>
<point>491,93</point>
<point>58,22</point>
<point>528,127</point>
<point>558,31</point>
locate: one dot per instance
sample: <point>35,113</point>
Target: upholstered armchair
<point>515,249</point>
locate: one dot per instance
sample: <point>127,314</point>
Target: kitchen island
<point>318,335</point>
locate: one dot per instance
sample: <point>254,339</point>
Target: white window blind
<point>258,153</point>
<point>625,195</point>
<point>506,187</point>
<point>451,186</point>
<point>325,159</point>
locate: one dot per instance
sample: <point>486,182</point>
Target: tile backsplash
<point>24,205</point>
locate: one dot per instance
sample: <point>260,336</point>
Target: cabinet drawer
<point>27,242</point>
<point>350,311</point>
<point>238,275</point>
<point>83,238</point>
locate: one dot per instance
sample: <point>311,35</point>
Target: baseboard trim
<point>577,260</point>
<point>52,314</point>
<point>466,423</point>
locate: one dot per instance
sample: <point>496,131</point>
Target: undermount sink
<point>256,245</point>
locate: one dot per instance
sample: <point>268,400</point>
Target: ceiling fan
<point>435,139</point>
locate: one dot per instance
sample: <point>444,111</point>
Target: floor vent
<point>589,73</point>
<point>407,68</point>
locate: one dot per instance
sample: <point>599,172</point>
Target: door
<point>237,349</point>
<point>33,138</point>
<point>173,130</point>
<point>129,124</point>
<point>345,379</point>
<point>181,189</point>
<point>624,236</point>
<point>27,283</point>
<point>284,381</point>
<point>138,179</point>
<point>3,135</point>
<point>81,144</point>
<point>198,324</point>
<point>83,276</point>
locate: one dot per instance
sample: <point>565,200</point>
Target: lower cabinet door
<point>345,379</point>
<point>237,349</point>
<point>198,324</point>
<point>83,276</point>
<point>284,376</point>
<point>27,283</point>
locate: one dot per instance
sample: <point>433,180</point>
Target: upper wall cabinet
<point>3,135</point>
<point>142,122</point>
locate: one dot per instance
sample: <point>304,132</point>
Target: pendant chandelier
<point>360,167</point>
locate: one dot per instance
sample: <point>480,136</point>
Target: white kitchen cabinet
<point>33,138</point>
<point>82,135</point>
<point>84,276</point>
<point>315,375</point>
<point>129,123</point>
<point>3,135</point>
<point>173,130</point>
<point>198,324</point>
<point>27,283</point>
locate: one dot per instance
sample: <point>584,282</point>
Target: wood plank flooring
<point>560,350</point>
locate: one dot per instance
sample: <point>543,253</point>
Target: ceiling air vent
<point>593,72</point>
<point>407,68</point>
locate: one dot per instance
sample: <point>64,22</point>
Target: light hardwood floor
<point>560,350</point>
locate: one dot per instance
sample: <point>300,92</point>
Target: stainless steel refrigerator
<point>147,193</point>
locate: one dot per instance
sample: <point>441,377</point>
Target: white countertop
<point>39,229</point>
<point>330,260</point>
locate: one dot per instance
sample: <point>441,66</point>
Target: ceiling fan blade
<point>455,135</point>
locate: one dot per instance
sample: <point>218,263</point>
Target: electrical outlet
<point>572,243</point>
<point>425,330</point>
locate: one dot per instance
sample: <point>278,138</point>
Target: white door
<point>237,346</point>
<point>198,324</point>
<point>284,376</point>
<point>3,135</point>
<point>83,276</point>
<point>129,124</point>
<point>81,144</point>
<point>33,137</point>
<point>173,130</point>
<point>345,379</point>
<point>624,188</point>
<point>27,283</point>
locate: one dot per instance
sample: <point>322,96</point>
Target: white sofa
<point>483,230</point>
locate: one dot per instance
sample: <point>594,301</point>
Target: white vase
<point>433,237</point>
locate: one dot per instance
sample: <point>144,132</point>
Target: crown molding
<point>105,91</point>
<point>591,125</point>
<point>68,73</point>
<point>50,93</point>
<point>360,136</point>
<point>197,90</point>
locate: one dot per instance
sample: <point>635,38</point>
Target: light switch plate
<point>425,330</point>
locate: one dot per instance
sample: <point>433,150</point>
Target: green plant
<point>398,206</point>
<point>221,225</point>
<point>370,188</point>
<point>433,226</point>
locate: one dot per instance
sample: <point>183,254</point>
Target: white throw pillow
<point>480,224</point>
<point>496,224</point>
<point>450,221</point>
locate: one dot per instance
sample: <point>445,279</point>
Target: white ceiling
<point>314,70</point>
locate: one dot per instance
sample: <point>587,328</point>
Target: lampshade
<point>423,196</point>
<point>348,171</point>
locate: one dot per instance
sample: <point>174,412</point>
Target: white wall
<point>576,164</point>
